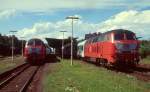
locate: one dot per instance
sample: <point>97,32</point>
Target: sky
<point>46,18</point>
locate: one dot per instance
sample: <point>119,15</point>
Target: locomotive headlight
<point>133,46</point>
<point>119,46</point>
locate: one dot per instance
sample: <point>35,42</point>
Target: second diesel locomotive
<point>113,47</point>
<point>36,51</point>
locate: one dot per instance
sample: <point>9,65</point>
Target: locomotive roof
<point>116,31</point>
<point>34,39</point>
<point>43,40</point>
<point>113,31</point>
<point>119,31</point>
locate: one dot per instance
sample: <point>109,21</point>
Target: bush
<point>145,48</point>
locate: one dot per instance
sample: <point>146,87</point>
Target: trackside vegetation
<point>7,63</point>
<point>145,48</point>
<point>145,60</point>
<point>85,77</point>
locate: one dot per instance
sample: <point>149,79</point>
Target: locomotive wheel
<point>97,62</point>
<point>85,59</point>
<point>103,62</point>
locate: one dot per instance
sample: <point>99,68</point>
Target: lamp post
<point>12,50</point>
<point>22,45</point>
<point>72,18</point>
<point>63,44</point>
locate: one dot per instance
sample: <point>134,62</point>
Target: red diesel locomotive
<point>35,51</point>
<point>113,47</point>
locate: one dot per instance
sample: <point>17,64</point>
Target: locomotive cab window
<point>124,36</point>
<point>118,36</point>
<point>35,42</point>
<point>107,37</point>
<point>38,42</point>
<point>30,42</point>
<point>100,38</point>
<point>130,36</point>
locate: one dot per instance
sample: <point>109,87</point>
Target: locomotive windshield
<point>31,42</point>
<point>124,36</point>
<point>35,42</point>
<point>118,36</point>
<point>130,36</point>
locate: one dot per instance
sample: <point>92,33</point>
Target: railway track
<point>141,72</point>
<point>18,79</point>
<point>13,71</point>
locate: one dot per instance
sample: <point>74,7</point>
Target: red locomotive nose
<point>34,51</point>
<point>127,51</point>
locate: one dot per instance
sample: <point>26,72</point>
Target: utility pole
<point>12,50</point>
<point>22,45</point>
<point>63,44</point>
<point>72,18</point>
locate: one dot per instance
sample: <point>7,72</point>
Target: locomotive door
<point>99,49</point>
<point>99,46</point>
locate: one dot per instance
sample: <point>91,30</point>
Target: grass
<point>6,63</point>
<point>83,77</point>
<point>146,60</point>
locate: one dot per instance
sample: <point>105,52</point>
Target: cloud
<point>48,5</point>
<point>6,14</point>
<point>136,21</point>
<point>51,29</point>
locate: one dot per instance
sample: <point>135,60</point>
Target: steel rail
<point>8,72</point>
<point>13,75</point>
<point>27,83</point>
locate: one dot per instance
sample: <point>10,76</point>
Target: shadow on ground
<point>145,68</point>
<point>52,59</point>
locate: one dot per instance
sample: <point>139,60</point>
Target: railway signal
<point>72,18</point>
<point>22,45</point>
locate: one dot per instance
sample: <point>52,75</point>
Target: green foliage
<point>146,60</point>
<point>145,48</point>
<point>6,45</point>
<point>7,63</point>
